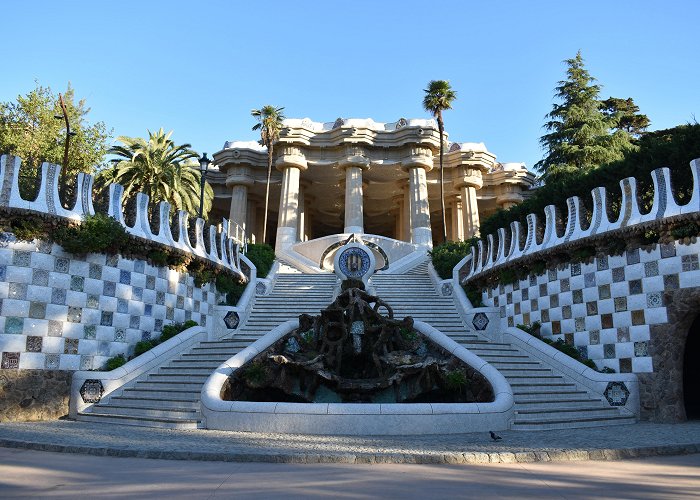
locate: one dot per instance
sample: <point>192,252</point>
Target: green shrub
<point>158,257</point>
<point>447,255</point>
<point>98,233</point>
<point>455,380</point>
<point>143,346</point>
<point>169,331</point>
<point>474,296</point>
<point>27,228</point>
<point>115,362</point>
<point>685,230</point>
<point>232,288</point>
<point>262,255</point>
<point>582,254</point>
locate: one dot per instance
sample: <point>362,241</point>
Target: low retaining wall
<point>28,395</point>
<point>356,419</point>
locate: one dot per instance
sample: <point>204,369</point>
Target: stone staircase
<point>543,399</point>
<point>169,396</point>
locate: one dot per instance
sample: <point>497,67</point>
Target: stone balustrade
<point>506,247</point>
<point>223,247</point>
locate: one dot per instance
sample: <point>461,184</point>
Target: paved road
<point>626,441</point>
<point>29,473</point>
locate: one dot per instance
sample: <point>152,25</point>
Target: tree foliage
<point>159,168</point>
<point>673,148</point>
<point>438,98</point>
<point>269,124</point>
<point>584,132</point>
<point>29,129</point>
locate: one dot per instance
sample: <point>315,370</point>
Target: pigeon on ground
<point>495,436</point>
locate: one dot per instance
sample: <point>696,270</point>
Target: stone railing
<point>223,248</point>
<point>507,247</point>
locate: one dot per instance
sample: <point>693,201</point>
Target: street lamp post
<point>203,166</point>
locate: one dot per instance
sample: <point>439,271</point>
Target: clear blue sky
<point>198,68</point>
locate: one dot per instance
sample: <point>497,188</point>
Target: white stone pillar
<point>288,218</point>
<point>354,214</point>
<point>421,233</point>
<point>406,216</point>
<point>470,211</point>
<point>457,220</point>
<point>239,179</point>
<point>252,226</point>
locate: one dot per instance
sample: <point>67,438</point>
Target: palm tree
<point>438,97</point>
<point>159,168</point>
<point>270,124</point>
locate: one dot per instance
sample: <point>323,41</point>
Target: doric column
<point>421,233</point>
<point>468,181</point>
<point>354,216</point>
<point>290,163</point>
<point>457,220</point>
<point>239,178</point>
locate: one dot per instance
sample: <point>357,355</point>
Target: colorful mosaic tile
<point>180,302</point>
<point>158,325</point>
<point>52,361</point>
<point>44,246</point>
<point>633,256</point>
<point>495,300</point>
<point>95,271</point>
<point>135,322</point>
<point>556,327</point>
<point>583,351</point>
<point>93,301</point>
<point>509,300</point>
<point>638,317</point>
<point>122,306</point>
<point>589,280</point>
<point>190,290</point>
<point>511,321</point>
<point>623,334</point>
<point>625,365</point>
<point>602,262</point>
<point>86,362</point>
<point>109,289</point>
<point>580,324</point>
<point>517,308</point>
<point>14,325</point>
<point>545,315</point>
<point>119,335</point>
<point>577,296</point>
<point>525,294</point>
<point>668,250</point>
<point>37,310</point>
<point>554,301</point>
<point>516,286</point>
<point>3,272</point>
<point>34,344</point>
<point>606,320</point>
<point>148,310</point>
<point>139,266</point>
<point>654,299</point>
<point>534,305</point>
<point>501,311</point>
<point>151,282</point>
<point>77,283</point>
<point>569,338</point>
<point>620,304</point>
<point>58,296</point>
<point>160,298</point>
<point>671,282</point>
<point>565,285</point>
<point>21,258</point>
<point>604,292</point>
<point>576,269</point>
<point>70,346</point>
<point>145,335</point>
<point>61,265</point>
<point>533,280</point>
<point>40,277</point>
<point>10,361</point>
<point>106,318</point>
<point>90,332</point>
<point>636,287</point>
<point>17,291</point>
<point>75,314</point>
<point>609,351</point>
<point>594,337</point>
<point>543,289</point>
<point>591,308</point>
<point>552,274</point>
<point>112,260</point>
<point>618,274</point>
<point>566,312</point>
<point>137,293</point>
<point>55,328</point>
<point>124,277</point>
<point>690,263</point>
<point>651,269</point>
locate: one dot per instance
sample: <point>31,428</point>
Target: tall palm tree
<point>269,124</point>
<point>438,97</point>
<point>159,168</point>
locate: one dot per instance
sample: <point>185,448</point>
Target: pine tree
<point>581,136</point>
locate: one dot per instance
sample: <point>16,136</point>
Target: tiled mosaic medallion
<point>641,349</point>
<point>91,391</point>
<point>77,283</point>
<point>671,282</point>
<point>667,250</point>
<point>609,351</point>
<point>232,320</point>
<point>654,299</point>
<point>75,314</point>
<point>446,289</point>
<point>58,296</point>
<point>40,277</point>
<point>635,287</point>
<point>109,289</point>
<point>119,335</point>
<point>616,393</point>
<point>52,361</point>
<point>651,269</point>
<point>638,317</point>
<point>10,361</point>
<point>576,269</point>
<point>603,292</point>
<point>620,304</point>
<point>633,256</point>
<point>61,265</point>
<point>21,258</point>
<point>17,291</point>
<point>690,263</point>
<point>618,274</point>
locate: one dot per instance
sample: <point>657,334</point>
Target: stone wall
<point>59,311</point>
<point>33,394</point>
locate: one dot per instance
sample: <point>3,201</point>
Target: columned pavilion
<point>358,176</point>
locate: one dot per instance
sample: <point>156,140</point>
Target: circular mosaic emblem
<point>354,262</point>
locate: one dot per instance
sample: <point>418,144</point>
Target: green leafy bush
<point>262,255</point>
<point>143,346</point>
<point>685,230</point>
<point>115,362</point>
<point>232,288</point>
<point>169,331</point>
<point>447,255</point>
<point>97,233</point>
<point>27,228</point>
<point>455,380</point>
<point>474,296</point>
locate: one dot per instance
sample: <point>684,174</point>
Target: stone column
<point>421,233</point>
<point>509,196</point>
<point>457,220</point>
<point>406,215</point>
<point>239,178</point>
<point>301,213</point>
<point>291,167</point>
<point>354,216</point>
<point>470,211</point>
<point>251,227</point>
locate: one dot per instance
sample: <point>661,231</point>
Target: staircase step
<point>122,419</point>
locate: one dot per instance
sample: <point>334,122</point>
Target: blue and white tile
<point>70,362</point>
<point>36,327</point>
<point>656,315</point>
<point>642,365</point>
<point>12,307</point>
<point>31,361</point>
<point>18,274</point>
<point>79,268</point>
<point>76,299</point>
<point>37,293</point>
<point>53,345</point>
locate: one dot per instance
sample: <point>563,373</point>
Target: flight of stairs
<point>169,397</point>
<point>543,399</point>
